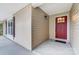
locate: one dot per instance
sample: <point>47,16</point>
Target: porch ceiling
<point>54,8</point>
<point>8,9</point>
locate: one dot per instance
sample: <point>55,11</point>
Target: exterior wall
<point>23,27</point>
<point>31,27</point>
<point>52,25</point>
<point>74,13</point>
<point>40,27</point>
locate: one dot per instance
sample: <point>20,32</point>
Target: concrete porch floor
<point>8,47</point>
<point>51,47</point>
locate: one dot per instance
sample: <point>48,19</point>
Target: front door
<point>61,27</point>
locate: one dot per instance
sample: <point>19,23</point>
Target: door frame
<point>58,29</point>
<point>68,28</point>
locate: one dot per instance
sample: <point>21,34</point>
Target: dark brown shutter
<point>6,27</point>
<point>13,26</point>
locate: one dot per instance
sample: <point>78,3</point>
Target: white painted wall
<point>52,25</point>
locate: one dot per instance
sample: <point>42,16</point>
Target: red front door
<point>61,27</point>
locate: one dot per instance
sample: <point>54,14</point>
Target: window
<point>10,27</point>
<point>61,20</point>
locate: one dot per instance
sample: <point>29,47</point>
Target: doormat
<point>60,41</point>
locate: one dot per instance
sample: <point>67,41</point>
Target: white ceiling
<point>54,8</point>
<point>8,9</point>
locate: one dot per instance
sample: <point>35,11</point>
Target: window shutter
<point>13,26</point>
<point>6,27</point>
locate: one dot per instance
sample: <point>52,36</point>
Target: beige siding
<point>40,27</point>
<point>23,27</point>
<point>31,27</point>
<point>74,13</point>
